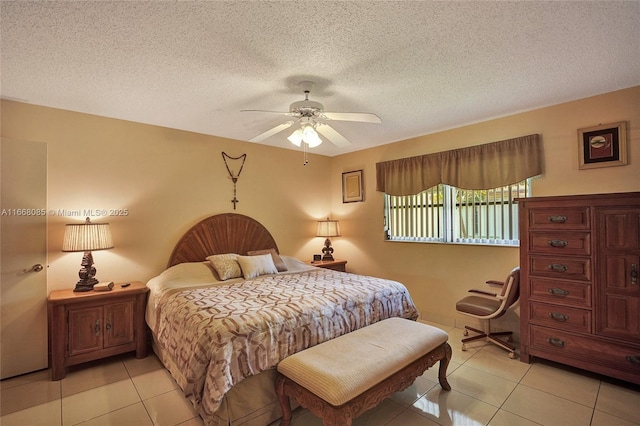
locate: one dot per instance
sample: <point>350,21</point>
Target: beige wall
<point>169,179</point>
<point>437,275</point>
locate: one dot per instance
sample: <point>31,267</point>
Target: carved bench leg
<point>285,403</point>
<point>442,370</point>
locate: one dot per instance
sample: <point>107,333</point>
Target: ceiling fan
<point>313,120</point>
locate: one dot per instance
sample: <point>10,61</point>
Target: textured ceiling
<point>420,66</point>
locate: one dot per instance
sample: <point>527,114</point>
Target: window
<point>444,213</point>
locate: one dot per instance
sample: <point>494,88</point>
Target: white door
<point>23,251</point>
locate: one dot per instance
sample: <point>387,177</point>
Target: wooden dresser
<point>580,290</point>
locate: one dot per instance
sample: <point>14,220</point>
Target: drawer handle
<point>558,292</point>
<point>634,273</point>
<point>558,243</point>
<point>556,267</point>
<point>97,327</point>
<point>633,359</point>
<point>557,219</point>
<point>108,326</point>
<point>556,342</point>
<point>558,316</point>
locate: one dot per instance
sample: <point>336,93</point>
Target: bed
<point>221,334</point>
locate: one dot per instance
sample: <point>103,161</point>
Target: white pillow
<point>226,265</point>
<point>277,260</point>
<point>253,266</point>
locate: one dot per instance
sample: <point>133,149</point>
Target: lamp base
<point>87,274</point>
<point>85,285</point>
<point>327,251</point>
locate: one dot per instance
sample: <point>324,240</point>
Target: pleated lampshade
<point>87,237</point>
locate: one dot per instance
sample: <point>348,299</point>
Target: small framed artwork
<point>352,187</point>
<point>602,146</point>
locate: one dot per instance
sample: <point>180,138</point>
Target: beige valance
<point>485,166</point>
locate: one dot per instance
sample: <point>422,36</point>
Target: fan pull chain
<point>304,148</point>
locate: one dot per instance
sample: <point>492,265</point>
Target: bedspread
<point>220,335</point>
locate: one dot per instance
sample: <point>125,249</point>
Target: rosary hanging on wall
<point>234,177</point>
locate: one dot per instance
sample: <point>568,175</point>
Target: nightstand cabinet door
<point>119,324</point>
<point>101,327</point>
<point>85,330</point>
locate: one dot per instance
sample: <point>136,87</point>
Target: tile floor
<point>488,388</point>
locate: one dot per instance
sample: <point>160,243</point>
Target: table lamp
<point>86,237</point>
<point>328,228</point>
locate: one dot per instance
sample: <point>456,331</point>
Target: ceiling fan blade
<point>290,114</point>
<point>365,117</point>
<point>271,132</point>
<point>334,137</point>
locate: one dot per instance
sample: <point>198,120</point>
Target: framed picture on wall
<point>352,187</point>
<point>602,146</point>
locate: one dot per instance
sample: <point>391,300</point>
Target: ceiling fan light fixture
<point>306,134</point>
<point>296,137</point>
<point>310,137</point>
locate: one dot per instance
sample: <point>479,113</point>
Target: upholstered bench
<point>341,378</point>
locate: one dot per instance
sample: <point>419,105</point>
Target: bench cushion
<point>342,368</point>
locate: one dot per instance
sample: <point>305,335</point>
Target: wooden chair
<point>487,305</point>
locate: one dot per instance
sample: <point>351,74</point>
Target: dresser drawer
<point>565,218</point>
<point>607,354</point>
<point>560,243</point>
<point>566,293</point>
<point>560,317</point>
<point>567,268</point>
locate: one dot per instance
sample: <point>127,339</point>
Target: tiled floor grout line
<point>146,410</point>
<point>408,408</point>
<point>142,401</point>
<point>518,383</point>
<point>138,392</point>
<point>129,377</point>
<point>60,402</point>
<point>510,393</point>
<point>595,403</point>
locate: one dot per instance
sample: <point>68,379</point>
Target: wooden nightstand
<point>336,265</point>
<point>91,325</point>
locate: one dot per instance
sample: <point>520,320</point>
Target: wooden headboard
<point>222,233</point>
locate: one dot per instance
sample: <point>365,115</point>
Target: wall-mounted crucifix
<point>232,174</point>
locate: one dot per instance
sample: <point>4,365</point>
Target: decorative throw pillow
<point>253,266</point>
<point>277,260</point>
<point>226,265</point>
